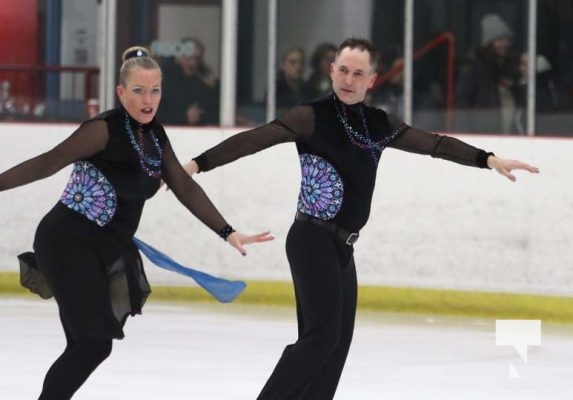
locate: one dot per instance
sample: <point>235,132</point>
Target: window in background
<point>308,36</point>
<point>437,28</point>
<point>388,35</point>
<point>47,59</point>
<point>252,62</point>
<point>554,77</point>
<point>490,38</point>
<point>185,37</point>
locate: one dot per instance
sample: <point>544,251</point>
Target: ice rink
<point>226,352</point>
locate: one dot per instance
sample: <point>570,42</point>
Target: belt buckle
<point>352,238</point>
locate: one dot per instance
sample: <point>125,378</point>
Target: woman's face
<point>141,94</point>
<point>326,60</point>
<point>293,65</point>
<point>502,45</point>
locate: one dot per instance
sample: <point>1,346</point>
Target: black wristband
<point>201,161</point>
<point>482,159</point>
<point>225,231</point>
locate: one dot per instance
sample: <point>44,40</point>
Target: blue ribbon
<point>223,290</point>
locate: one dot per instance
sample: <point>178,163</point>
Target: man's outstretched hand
<point>504,167</point>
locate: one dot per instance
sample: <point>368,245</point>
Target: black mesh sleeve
<point>438,146</point>
<point>188,192</point>
<point>89,139</point>
<point>297,122</point>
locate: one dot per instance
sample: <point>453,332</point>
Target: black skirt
<point>95,295</point>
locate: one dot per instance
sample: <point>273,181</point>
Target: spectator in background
<point>390,96</point>
<point>427,97</point>
<point>555,42</point>
<point>290,81</point>
<point>548,98</point>
<point>489,84</point>
<point>319,83</point>
<point>190,88</point>
<point>547,94</point>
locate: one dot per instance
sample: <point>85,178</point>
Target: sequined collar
<point>135,125</point>
<point>354,108</point>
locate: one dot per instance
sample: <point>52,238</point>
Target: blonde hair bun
<point>134,51</point>
<point>135,57</point>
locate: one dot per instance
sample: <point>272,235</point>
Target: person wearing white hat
<point>488,87</point>
<point>493,28</point>
<point>548,97</point>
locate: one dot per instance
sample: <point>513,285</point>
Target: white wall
<point>433,223</point>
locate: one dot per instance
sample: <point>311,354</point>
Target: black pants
<point>324,276</point>
<point>74,366</point>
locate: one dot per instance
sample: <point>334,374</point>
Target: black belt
<point>347,237</point>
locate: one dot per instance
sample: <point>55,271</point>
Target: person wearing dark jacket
<point>487,90</point>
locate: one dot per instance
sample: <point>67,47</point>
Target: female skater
<point>84,246</point>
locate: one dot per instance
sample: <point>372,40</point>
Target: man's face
<point>352,75</point>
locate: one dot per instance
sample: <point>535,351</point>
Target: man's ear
<point>372,80</point>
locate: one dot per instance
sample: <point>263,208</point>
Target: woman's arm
<point>192,196</point>
<point>89,139</point>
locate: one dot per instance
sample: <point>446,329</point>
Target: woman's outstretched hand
<point>504,167</point>
<point>238,240</point>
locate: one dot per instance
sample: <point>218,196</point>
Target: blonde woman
<point>84,247</point>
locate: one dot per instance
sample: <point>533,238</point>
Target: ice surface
<point>226,352</point>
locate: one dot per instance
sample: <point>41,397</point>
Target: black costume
<point>84,246</point>
<point>339,147</point>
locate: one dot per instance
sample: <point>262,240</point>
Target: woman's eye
<point>137,90</point>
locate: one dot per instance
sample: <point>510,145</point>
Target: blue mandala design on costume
<point>90,193</point>
<point>321,189</point>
